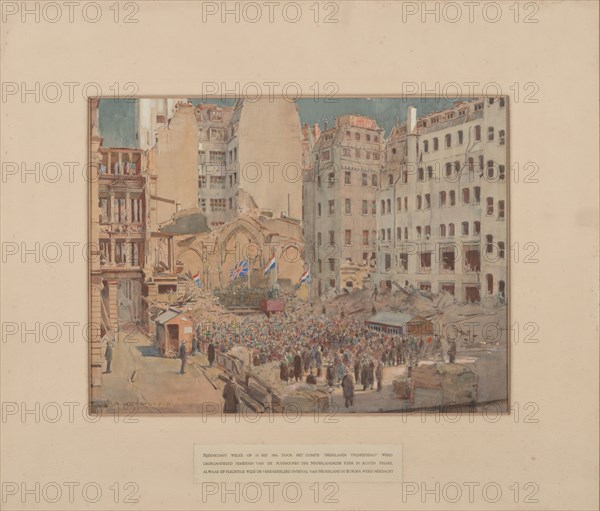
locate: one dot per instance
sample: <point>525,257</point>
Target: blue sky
<point>117,117</point>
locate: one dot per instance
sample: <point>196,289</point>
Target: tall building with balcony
<point>442,221</point>
<point>217,163</point>
<point>340,203</point>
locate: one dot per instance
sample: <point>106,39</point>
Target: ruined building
<point>340,203</point>
<point>441,205</point>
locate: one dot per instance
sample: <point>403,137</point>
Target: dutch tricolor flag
<point>270,266</point>
<point>305,278</point>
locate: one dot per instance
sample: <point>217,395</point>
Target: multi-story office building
<point>441,221</point>
<point>217,156</point>
<point>340,212</point>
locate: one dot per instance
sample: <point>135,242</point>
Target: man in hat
<point>231,396</point>
<point>108,355</point>
<point>379,376</point>
<point>183,356</point>
<point>211,354</point>
<point>348,388</point>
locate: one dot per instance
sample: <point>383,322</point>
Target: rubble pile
<point>444,384</point>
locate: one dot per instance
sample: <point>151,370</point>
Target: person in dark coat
<point>231,396</point>
<point>364,376</point>
<point>371,374</point>
<point>379,376</point>
<point>330,374</point>
<point>183,357</point>
<point>452,352</point>
<point>298,367</point>
<point>211,354</point>
<point>319,362</point>
<point>108,355</point>
<point>357,371</point>
<point>311,379</point>
<point>283,372</point>
<point>348,388</point>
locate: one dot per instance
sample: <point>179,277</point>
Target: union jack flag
<point>240,270</point>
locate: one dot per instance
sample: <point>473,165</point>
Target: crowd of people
<point>325,348</point>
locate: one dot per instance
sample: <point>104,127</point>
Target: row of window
<point>460,138</point>
<point>331,179</point>
<point>357,136</point>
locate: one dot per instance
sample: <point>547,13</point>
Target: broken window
<point>390,179</point>
<point>347,178</point>
<point>476,228</point>
<point>448,287</point>
<point>501,172</point>
<point>490,283</point>
<point>427,231</point>
<point>448,259</point>
<point>501,249</point>
<point>425,286</point>
<point>481,160</point>
<point>388,262</point>
<point>465,228</point>
<point>164,289</point>
<point>442,230</point>
<point>435,144</point>
<point>374,180</point>
<point>347,206</point>
<point>399,233</point>
<point>347,134</point>
<point>465,196</point>
<point>489,206</point>
<point>460,137</point>
<point>427,201</point>
<point>357,136</point>
<point>419,202</point>
<point>331,207</point>
<point>489,243</point>
<point>347,237</point>
<point>448,169</point>
<point>450,229</point>
<point>472,259</point>
<point>472,294</point>
<point>403,262</point>
<point>442,198</point>
<point>429,172</point>
<point>104,210</point>
<point>420,174</point>
<point>448,139</point>
<point>501,137</point>
<point>490,169</point>
<point>452,197</point>
<point>365,207</point>
<point>490,134</point>
<point>105,252</point>
<point>426,146</point>
<point>425,259</point>
<point>418,230</point>
<point>365,237</point>
<point>365,181</point>
<point>501,210</point>
<point>477,195</point>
